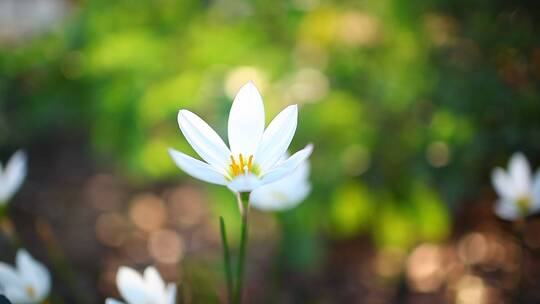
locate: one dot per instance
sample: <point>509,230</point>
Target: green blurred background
<point>409,105</point>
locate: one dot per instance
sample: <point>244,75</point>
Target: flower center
<point>523,204</point>
<point>31,291</point>
<point>242,165</point>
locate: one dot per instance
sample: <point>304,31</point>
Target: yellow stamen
<point>524,204</point>
<point>241,166</point>
<point>31,291</point>
<point>250,163</point>
<point>241,161</point>
<point>234,167</point>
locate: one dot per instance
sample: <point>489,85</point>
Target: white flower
<point>148,288</point>
<point>12,176</point>
<point>254,155</point>
<point>29,282</point>
<point>519,192</point>
<point>285,193</point>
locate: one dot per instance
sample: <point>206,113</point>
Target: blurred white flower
<point>12,176</point>
<point>28,282</point>
<point>254,155</point>
<point>519,192</point>
<point>285,193</point>
<point>148,288</point>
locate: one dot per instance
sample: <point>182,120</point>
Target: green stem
<point>226,260</point>
<point>243,199</point>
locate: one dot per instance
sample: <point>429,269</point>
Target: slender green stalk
<point>226,260</point>
<point>243,200</point>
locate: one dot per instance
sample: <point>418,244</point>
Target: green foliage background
<point>409,103</point>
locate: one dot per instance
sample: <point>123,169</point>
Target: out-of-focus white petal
<point>131,286</point>
<point>520,173</point>
<point>271,199</point>
<point>17,295</point>
<point>44,277</point>
<point>34,274</point>
<point>244,183</point>
<point>285,193</point>
<point>286,167</point>
<point>535,207</point>
<point>9,276</point>
<point>502,184</point>
<point>12,176</point>
<point>300,194</point>
<point>197,168</point>
<point>277,137</point>
<point>153,282</point>
<point>171,293</point>
<point>204,140</point>
<point>299,175</point>
<point>143,289</point>
<point>507,210</point>
<point>113,301</point>
<point>246,121</point>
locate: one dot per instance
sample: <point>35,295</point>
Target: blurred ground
<point>101,221</point>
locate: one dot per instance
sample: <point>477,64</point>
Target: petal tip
<point>182,116</point>
<point>294,109</point>
<point>123,270</point>
<point>20,153</point>
<point>171,151</point>
<point>250,85</point>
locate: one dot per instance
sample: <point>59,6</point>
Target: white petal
<point>18,295</point>
<point>246,121</point>
<point>520,172</point>
<point>131,286</point>
<point>12,176</point>
<point>298,176</point>
<point>244,183</point>
<point>298,186</point>
<point>288,166</point>
<point>154,283</point>
<point>197,168</point>
<point>268,198</point>
<point>507,210</point>
<point>34,273</point>
<point>535,207</point>
<point>204,140</point>
<point>112,301</point>
<point>9,276</point>
<point>299,195</point>
<point>277,138</point>
<point>171,293</point>
<point>502,184</point>
<point>285,193</point>
<point>278,202</point>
